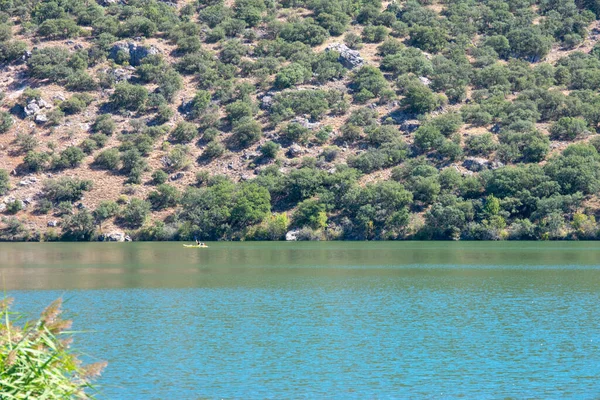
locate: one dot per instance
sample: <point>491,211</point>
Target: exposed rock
<point>249,155</point>
<point>127,238</point>
<point>136,52</point>
<point>425,81</point>
<point>348,58</point>
<point>304,122</point>
<point>244,177</point>
<point>267,101</point>
<point>2,207</point>
<point>410,125</point>
<point>119,74</point>
<point>295,150</point>
<point>44,103</point>
<point>476,164</point>
<point>177,176</point>
<point>107,2</point>
<point>292,235</point>
<point>26,182</point>
<point>495,164</point>
<point>113,237</point>
<point>31,109</point>
<point>40,118</point>
<point>59,97</point>
<point>53,223</point>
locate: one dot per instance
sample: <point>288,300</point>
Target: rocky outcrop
<point>292,235</point>
<point>35,108</point>
<point>295,150</point>
<point>115,236</point>
<point>348,58</point>
<point>266,102</point>
<point>135,51</point>
<point>177,176</point>
<point>476,164</point>
<point>41,118</point>
<point>305,123</point>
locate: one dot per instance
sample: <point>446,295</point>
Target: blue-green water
<point>326,320</point>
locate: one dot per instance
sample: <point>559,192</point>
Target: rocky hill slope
<point>344,119</point>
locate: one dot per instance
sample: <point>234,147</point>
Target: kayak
<point>195,246</point>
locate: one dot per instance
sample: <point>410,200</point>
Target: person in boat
<point>198,243</point>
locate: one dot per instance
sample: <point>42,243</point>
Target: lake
<point>347,320</point>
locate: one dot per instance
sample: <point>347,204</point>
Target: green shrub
<point>430,39</point>
<point>269,149</point>
<point>36,161</point>
<point>43,206</point>
<point>108,159</point>
<point>420,99</point>
<point>63,28</point>
<point>81,81</point>
<point>213,150</point>
<point>310,213</point>
<point>39,364</point>
<point>480,144</point>
<point>159,177</point>
<point>12,50</point>
<point>65,189</point>
<point>370,79</point>
<point>374,33</point>
<point>64,208</point>
<point>105,210</point>
<point>292,75</point>
<point>184,132</point>
<point>76,103</point>
<point>26,142</point>
<point>88,146</point>
<point>4,181</point>
<point>246,132</point>
<point>6,121</point>
<point>135,213</point>
<point>238,110</point>
<point>129,97</point>
<point>70,157</point>
<point>105,124</point>
<point>79,226</point>
<point>568,128</point>
<point>295,132</point>
<point>14,207</point>
<point>164,196</point>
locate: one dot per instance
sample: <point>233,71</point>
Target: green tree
<point>4,181</point>
<point>135,213</point>
<point>129,97</point>
<point>79,226</point>
<point>6,121</point>
<point>164,196</point>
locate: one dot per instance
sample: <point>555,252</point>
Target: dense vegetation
<point>465,119</point>
<point>36,361</point>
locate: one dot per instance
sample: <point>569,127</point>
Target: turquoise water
<point>326,320</point>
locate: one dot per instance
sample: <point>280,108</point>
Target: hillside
<point>341,119</point>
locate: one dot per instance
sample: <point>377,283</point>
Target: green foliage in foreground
<point>36,361</point>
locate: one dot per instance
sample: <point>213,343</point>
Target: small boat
<point>195,246</point>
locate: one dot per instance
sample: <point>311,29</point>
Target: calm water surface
<point>326,320</point>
